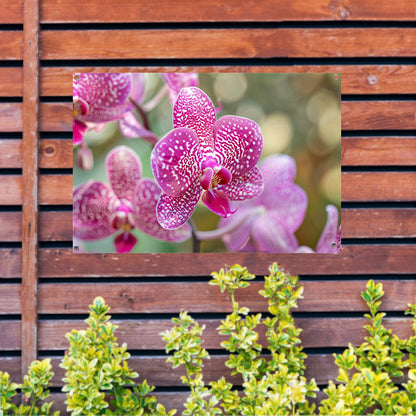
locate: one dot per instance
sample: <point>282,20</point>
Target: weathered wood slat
<point>355,151</point>
<point>11,45</point>
<point>378,186</point>
<point>354,116</point>
<point>53,190</point>
<point>356,186</point>
<point>378,151</point>
<point>11,80</point>
<point>157,372</point>
<point>356,223</point>
<point>232,10</point>
<point>189,11</point>
<point>226,43</point>
<point>378,223</point>
<point>53,153</point>
<point>11,342</point>
<point>356,79</point>
<point>10,299</point>
<point>202,297</point>
<point>144,334</point>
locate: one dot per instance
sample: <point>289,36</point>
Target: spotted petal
<point>244,187</point>
<point>271,235</point>
<point>330,232</point>
<point>277,170</point>
<point>172,212</point>
<point>106,95</point>
<point>124,169</point>
<point>194,109</point>
<point>238,144</point>
<point>176,161</point>
<point>93,205</point>
<point>131,127</point>
<point>144,211</point>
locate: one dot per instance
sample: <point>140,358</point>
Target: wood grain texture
<point>354,115</point>
<point>362,259</point>
<point>378,223</point>
<point>11,44</point>
<point>53,153</point>
<point>11,117</point>
<point>13,341</point>
<point>10,299</point>
<point>378,151</point>
<point>53,190</point>
<point>145,334</point>
<point>231,10</point>
<point>356,186</point>
<point>229,43</point>
<point>11,80</point>
<point>356,79</point>
<point>356,223</point>
<point>378,186</point>
<point>198,297</point>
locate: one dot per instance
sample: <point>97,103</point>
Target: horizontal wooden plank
<point>11,79</point>
<point>11,117</point>
<point>11,44</point>
<point>53,190</point>
<point>356,223</point>
<point>354,259</point>
<point>376,115</point>
<point>53,153</point>
<point>356,79</point>
<point>11,342</point>
<point>189,11</point>
<point>378,223</point>
<point>378,186</point>
<point>10,299</point>
<point>356,186</point>
<point>202,297</point>
<point>53,226</point>
<point>226,43</point>
<point>378,151</point>
<point>231,10</point>
<point>145,334</point>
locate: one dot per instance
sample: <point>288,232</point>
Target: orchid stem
<point>196,242</point>
<point>153,102</point>
<point>142,114</point>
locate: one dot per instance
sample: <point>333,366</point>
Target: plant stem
<point>153,102</point>
<point>142,114</point>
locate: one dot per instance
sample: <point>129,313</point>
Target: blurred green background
<point>299,114</point>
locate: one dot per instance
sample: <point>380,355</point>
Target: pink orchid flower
<point>202,156</point>
<point>101,97</point>
<point>175,81</point>
<point>128,202</point>
<point>268,222</point>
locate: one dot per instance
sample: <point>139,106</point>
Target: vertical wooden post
<point>30,181</point>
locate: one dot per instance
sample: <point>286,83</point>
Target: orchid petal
<point>172,212</point>
<point>78,131</point>
<point>194,109</point>
<point>289,202</point>
<point>329,233</point>
<point>124,169</point>
<point>238,144</point>
<point>176,81</point>
<point>271,235</point>
<point>244,187</point>
<point>138,82</point>
<point>217,202</point>
<point>304,249</point>
<point>176,161</point>
<point>278,170</point>
<point>93,205</point>
<point>106,94</point>
<point>131,127</point>
<point>125,242</point>
<point>338,240</point>
<point>144,212</point>
<point>238,238</point>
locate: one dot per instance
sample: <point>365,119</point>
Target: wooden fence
<point>45,289</point>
